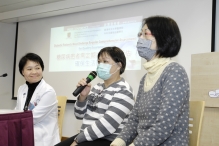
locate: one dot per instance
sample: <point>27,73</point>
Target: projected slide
<point>75,47</point>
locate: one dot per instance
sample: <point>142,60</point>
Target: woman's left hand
<point>74,144</point>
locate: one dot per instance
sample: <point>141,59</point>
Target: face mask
<point>143,46</point>
<point>103,71</point>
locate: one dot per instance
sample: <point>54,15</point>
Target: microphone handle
<point>80,88</point>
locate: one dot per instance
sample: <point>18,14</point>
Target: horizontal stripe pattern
<point>107,119</point>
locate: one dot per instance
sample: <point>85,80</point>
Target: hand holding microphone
<point>84,83</point>
<point>84,93</point>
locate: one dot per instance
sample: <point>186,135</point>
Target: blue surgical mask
<point>103,71</point>
<point>144,49</point>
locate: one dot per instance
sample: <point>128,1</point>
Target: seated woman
<point>39,97</point>
<point>160,116</point>
<point>104,108</point>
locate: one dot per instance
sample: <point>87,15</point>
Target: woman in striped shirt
<point>104,108</point>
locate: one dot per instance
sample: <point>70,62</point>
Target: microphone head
<point>92,75</point>
<point>4,75</point>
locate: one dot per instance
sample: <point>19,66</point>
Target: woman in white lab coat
<point>40,97</point>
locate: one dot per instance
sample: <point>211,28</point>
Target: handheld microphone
<point>90,77</point>
<point>4,75</point>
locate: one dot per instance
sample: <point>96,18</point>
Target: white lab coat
<point>45,113</point>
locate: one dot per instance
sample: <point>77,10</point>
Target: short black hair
<point>116,54</point>
<point>32,57</point>
<point>167,35</point>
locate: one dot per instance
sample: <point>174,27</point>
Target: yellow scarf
<point>154,69</point>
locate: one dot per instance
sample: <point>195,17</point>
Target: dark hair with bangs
<point>167,35</point>
<point>116,54</point>
<point>32,57</point>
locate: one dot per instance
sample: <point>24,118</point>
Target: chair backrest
<point>196,111</point>
<point>61,111</point>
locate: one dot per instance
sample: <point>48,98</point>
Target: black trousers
<point>97,142</point>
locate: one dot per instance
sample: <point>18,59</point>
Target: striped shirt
<point>105,111</point>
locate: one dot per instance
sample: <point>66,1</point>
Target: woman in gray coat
<point>160,116</point>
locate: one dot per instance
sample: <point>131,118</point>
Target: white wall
<point>7,45</point>
<point>71,125</point>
